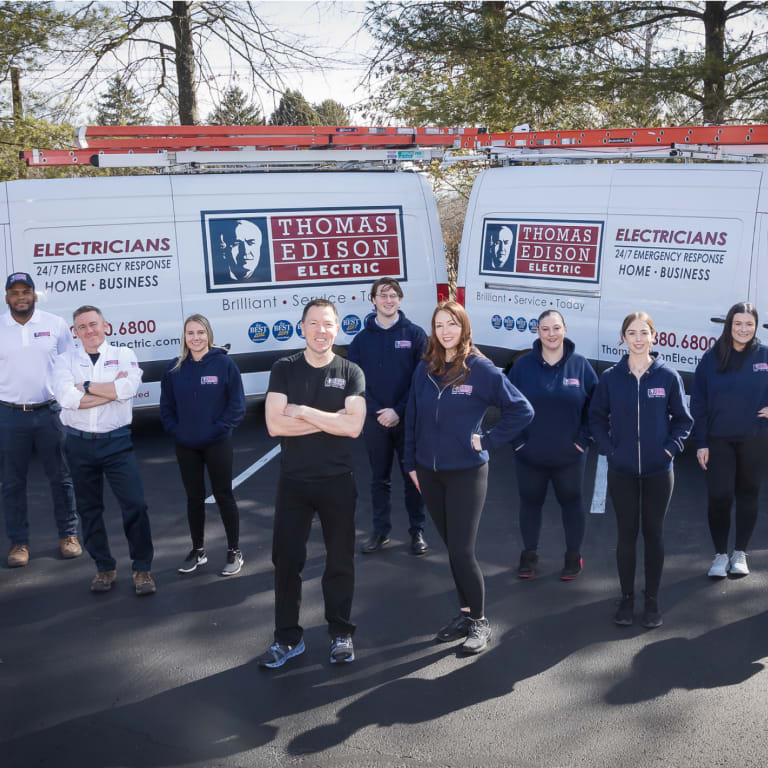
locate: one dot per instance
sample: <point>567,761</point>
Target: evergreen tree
<point>235,108</point>
<point>331,112</point>
<point>294,109</point>
<point>121,105</point>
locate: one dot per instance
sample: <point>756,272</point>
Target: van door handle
<point>717,320</point>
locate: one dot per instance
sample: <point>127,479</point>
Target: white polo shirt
<point>27,356</point>
<point>75,367</point>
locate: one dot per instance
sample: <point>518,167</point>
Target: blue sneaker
<point>277,654</point>
<point>342,650</point>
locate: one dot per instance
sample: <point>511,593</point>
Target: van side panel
<point>258,247</point>
<point>107,242</point>
<point>678,246</point>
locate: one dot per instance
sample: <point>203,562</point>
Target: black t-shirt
<point>320,455</point>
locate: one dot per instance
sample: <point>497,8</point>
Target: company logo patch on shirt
<point>403,344</point>
<point>462,389</point>
<point>111,362</point>
<point>571,382</point>
<point>760,367</point>
<point>134,364</point>
<point>209,379</point>
<point>40,334</point>
<point>657,392</point>
<point>335,383</point>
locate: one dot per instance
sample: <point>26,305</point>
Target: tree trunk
<point>715,106</point>
<point>185,63</point>
<point>18,109</point>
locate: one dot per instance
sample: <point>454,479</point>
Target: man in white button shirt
<point>30,341</point>
<point>95,386</point>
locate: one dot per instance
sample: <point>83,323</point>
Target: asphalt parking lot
<point>107,681</point>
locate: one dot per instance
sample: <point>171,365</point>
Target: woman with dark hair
<point>201,402</point>
<point>729,403</point>
<point>558,383</point>
<point>446,453</point>
<point>639,420</point>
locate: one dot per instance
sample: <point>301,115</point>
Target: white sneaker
<point>739,563</point>
<point>719,569</point>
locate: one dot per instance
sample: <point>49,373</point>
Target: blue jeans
<point>567,481</point>
<point>111,457</point>
<point>382,444</point>
<point>23,433</point>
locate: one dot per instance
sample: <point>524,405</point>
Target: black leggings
<point>192,463</point>
<point>454,500</point>
<point>532,482</point>
<point>636,500</point>
<point>734,470</point>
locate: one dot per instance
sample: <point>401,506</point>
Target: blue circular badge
<point>533,325</point>
<point>258,332</point>
<point>496,321</point>
<point>351,325</point>
<point>300,330</point>
<point>521,324</point>
<point>509,323</point>
<point>282,330</point>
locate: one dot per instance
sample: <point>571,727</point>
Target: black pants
<point>567,481</point>
<point>333,499</point>
<point>640,501</point>
<point>454,500</point>
<point>192,463</point>
<point>734,471</point>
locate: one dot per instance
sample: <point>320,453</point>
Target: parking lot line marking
<point>601,484</point>
<point>244,475</point>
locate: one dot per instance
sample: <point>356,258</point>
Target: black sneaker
<point>192,560</point>
<point>277,654</point>
<point>418,545</point>
<point>651,614</point>
<point>234,563</point>
<point>527,567</point>
<point>478,637</point>
<point>572,566</point>
<point>342,650</point>
<point>455,630</point>
<point>374,543</point>
<point>624,615</point>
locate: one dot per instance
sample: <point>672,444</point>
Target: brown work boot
<point>70,547</point>
<point>103,580</point>
<point>18,556</point>
<point>144,583</point>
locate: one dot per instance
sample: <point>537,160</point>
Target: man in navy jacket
<point>388,350</point>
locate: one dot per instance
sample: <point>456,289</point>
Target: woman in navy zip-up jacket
<point>201,403</point>
<point>446,453</point>
<point>728,403</point>
<point>558,383</point>
<point>639,420</point>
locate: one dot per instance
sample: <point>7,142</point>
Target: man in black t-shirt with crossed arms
<point>316,404</point>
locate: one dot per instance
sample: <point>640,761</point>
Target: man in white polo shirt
<point>95,386</point>
<point>30,341</point>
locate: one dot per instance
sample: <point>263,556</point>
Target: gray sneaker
<point>342,649</point>
<point>277,654</point>
<point>192,560</point>
<point>478,637</point>
<point>234,563</point>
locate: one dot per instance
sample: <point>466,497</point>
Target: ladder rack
<point>194,147</point>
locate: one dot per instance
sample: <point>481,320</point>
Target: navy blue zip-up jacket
<point>388,357</point>
<point>634,422</point>
<point>202,402</point>
<point>560,396</point>
<point>726,404</point>
<point>442,416</point>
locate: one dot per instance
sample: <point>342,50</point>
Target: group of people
<point>420,398</point>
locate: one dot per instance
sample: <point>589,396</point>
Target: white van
<point>247,250</point>
<point>682,242</point>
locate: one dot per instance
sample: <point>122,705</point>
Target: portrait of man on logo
<point>239,250</point>
<point>499,242</point>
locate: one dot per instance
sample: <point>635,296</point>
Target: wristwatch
<point>86,386</point>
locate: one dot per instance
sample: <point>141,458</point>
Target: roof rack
<point>178,148</point>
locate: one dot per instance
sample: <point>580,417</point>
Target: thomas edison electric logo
<point>247,250</point>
